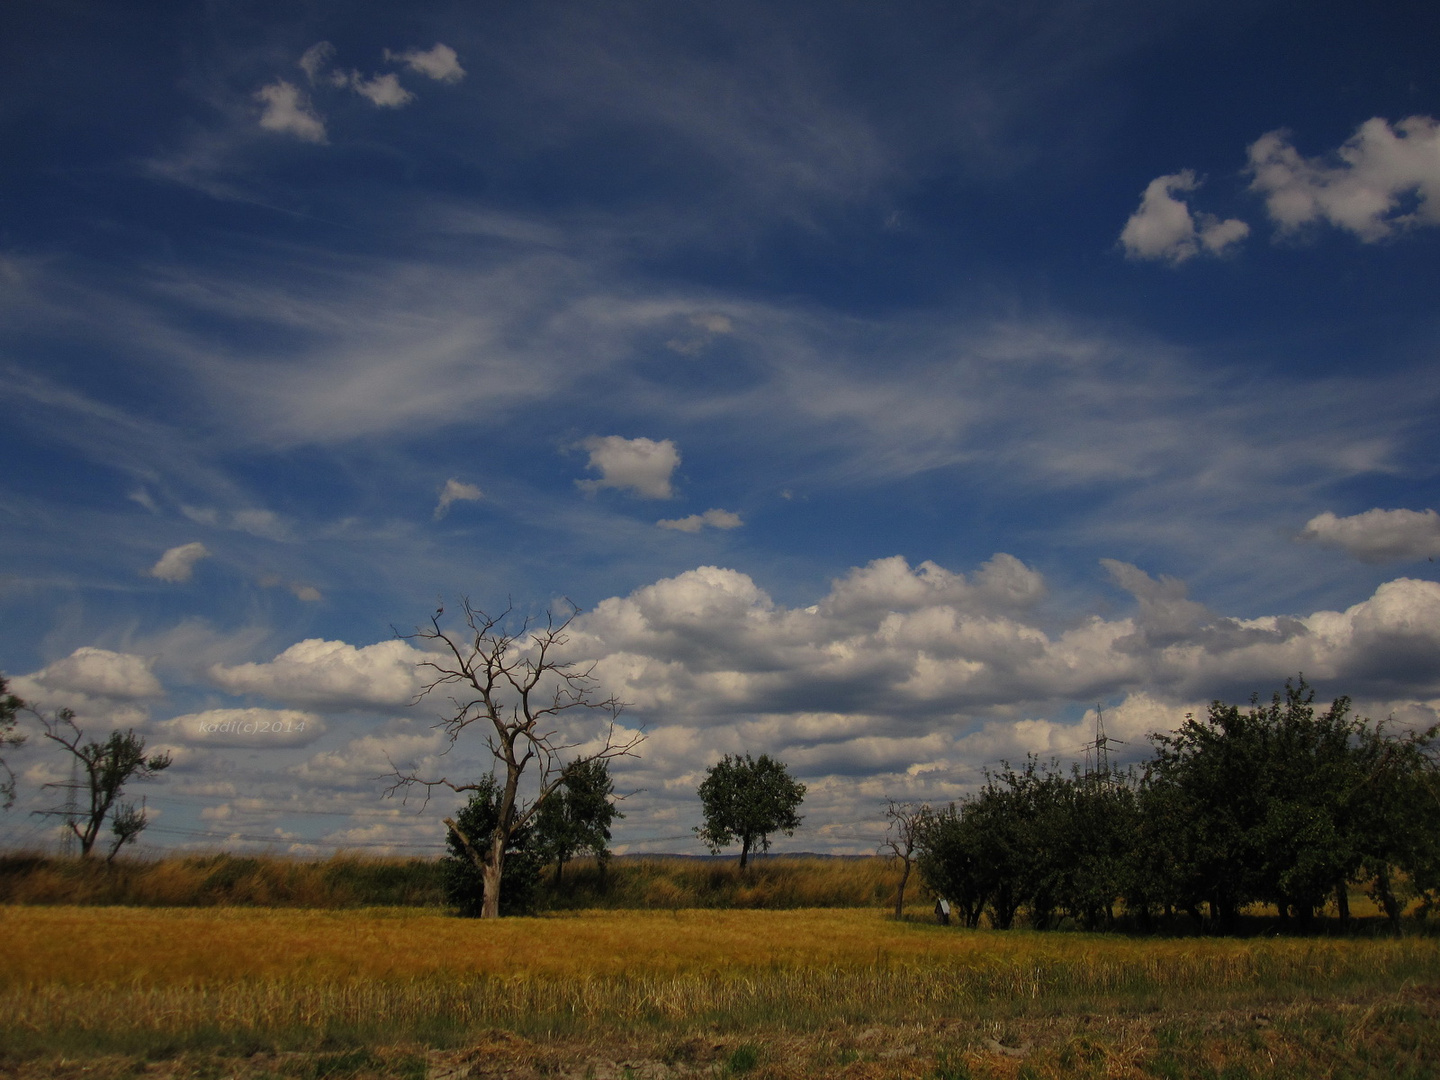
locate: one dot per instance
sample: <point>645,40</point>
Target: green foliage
<point>10,706</point>
<point>576,817</point>
<point>742,1059</point>
<point>107,766</point>
<point>1284,804</point>
<point>747,799</point>
<point>520,874</point>
<point>1035,839</point>
<point>1280,804</point>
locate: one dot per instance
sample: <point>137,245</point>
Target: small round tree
<point>747,799</point>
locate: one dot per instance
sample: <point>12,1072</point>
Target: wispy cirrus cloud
<point>456,491</point>
<point>714,519</point>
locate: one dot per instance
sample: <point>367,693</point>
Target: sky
<point>888,387</point>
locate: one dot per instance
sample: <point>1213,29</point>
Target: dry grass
<point>344,881</point>
<point>66,945</point>
<point>97,978</point>
<point>348,881</point>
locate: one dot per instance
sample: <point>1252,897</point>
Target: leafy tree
<point>10,706</point>
<point>577,816</point>
<point>108,766</point>
<point>1286,804</point>
<point>1095,821</point>
<point>1036,839</point>
<point>949,857</point>
<point>747,799</point>
<point>472,829</point>
<point>527,702</point>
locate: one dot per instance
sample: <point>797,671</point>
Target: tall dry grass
<point>348,881</point>
<point>344,881</point>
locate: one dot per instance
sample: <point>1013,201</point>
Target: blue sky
<point>888,387</point>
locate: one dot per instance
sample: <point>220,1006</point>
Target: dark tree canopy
<point>1286,804</point>
<point>747,799</point>
<point>1281,804</point>
<point>10,706</point>
<point>464,880</point>
<point>576,818</point>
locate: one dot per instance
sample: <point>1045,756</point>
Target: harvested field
<point>782,993</point>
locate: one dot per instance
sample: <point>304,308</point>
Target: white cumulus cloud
<point>907,645</point>
<point>1382,180</point>
<point>107,689</point>
<point>361,760</point>
<point>1378,535</point>
<point>289,112</point>
<point>715,519</point>
<point>642,466</point>
<point>178,564</point>
<point>1165,228</point>
<point>101,673</point>
<point>330,675</point>
<point>453,492</point>
<point>439,62</point>
<point>382,91</point>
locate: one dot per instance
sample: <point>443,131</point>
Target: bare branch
<point>511,681</point>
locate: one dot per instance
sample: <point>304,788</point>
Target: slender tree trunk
<point>900,892</point>
<point>744,851</point>
<point>1387,898</point>
<point>1342,902</point>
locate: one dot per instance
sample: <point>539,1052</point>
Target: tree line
<point>509,681</point>
<point>1280,804</point>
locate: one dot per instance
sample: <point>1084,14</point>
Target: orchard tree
<point>10,706</point>
<point>1287,804</point>
<point>108,766</point>
<point>747,799</point>
<point>506,678</point>
<point>577,816</point>
<point>950,855</point>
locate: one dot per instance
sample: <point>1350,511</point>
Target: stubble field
<point>254,992</point>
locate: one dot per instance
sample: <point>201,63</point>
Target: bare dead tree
<point>907,824</point>
<point>511,682</point>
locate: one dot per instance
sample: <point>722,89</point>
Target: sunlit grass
<point>111,976</point>
<point>78,944</point>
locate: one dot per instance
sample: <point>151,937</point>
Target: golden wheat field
<point>194,946</point>
<point>823,982</point>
